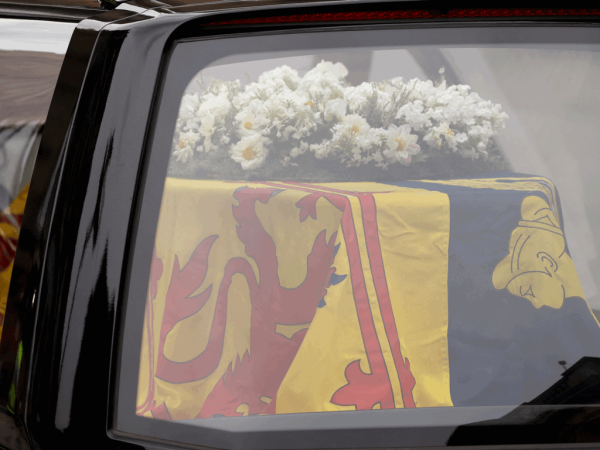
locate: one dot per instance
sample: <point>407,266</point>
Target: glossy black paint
<point>69,275</point>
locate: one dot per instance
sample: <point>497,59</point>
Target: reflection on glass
<point>395,243</point>
<point>31,54</point>
<point>35,35</point>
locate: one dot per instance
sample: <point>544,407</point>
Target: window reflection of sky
<point>35,35</point>
<point>31,54</point>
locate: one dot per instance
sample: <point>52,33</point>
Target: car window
<point>374,220</point>
<point>31,53</point>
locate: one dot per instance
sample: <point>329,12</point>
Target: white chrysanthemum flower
<point>268,86</point>
<point>285,73</point>
<point>352,135</point>
<point>424,90</point>
<point>185,147</point>
<point>248,123</point>
<point>461,137</point>
<point>444,130</point>
<point>414,114</point>
<point>291,100</point>
<point>251,152</point>
<point>356,96</point>
<point>335,108</point>
<point>321,150</point>
<point>401,145</point>
<point>323,82</point>
<point>215,105</point>
<point>374,137</point>
<point>352,125</point>
<point>252,119</point>
<point>207,128</point>
<point>187,109</point>
<point>338,70</point>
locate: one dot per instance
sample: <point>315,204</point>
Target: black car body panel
<point>73,258</point>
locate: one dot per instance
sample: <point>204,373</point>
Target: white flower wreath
<point>283,116</point>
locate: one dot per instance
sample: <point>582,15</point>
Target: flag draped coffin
<point>281,297</point>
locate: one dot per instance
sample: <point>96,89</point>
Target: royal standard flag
<point>281,297</point>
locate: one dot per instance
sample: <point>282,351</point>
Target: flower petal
<point>413,149</point>
<point>404,129</point>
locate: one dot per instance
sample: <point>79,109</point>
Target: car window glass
<point>386,227</point>
<point>31,53</point>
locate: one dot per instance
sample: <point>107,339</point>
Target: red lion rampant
<point>251,387</point>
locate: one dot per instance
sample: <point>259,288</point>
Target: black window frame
<point>279,431</point>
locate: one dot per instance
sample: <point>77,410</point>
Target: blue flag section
<point>517,315</point>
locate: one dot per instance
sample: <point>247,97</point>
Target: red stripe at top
<point>418,14</point>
